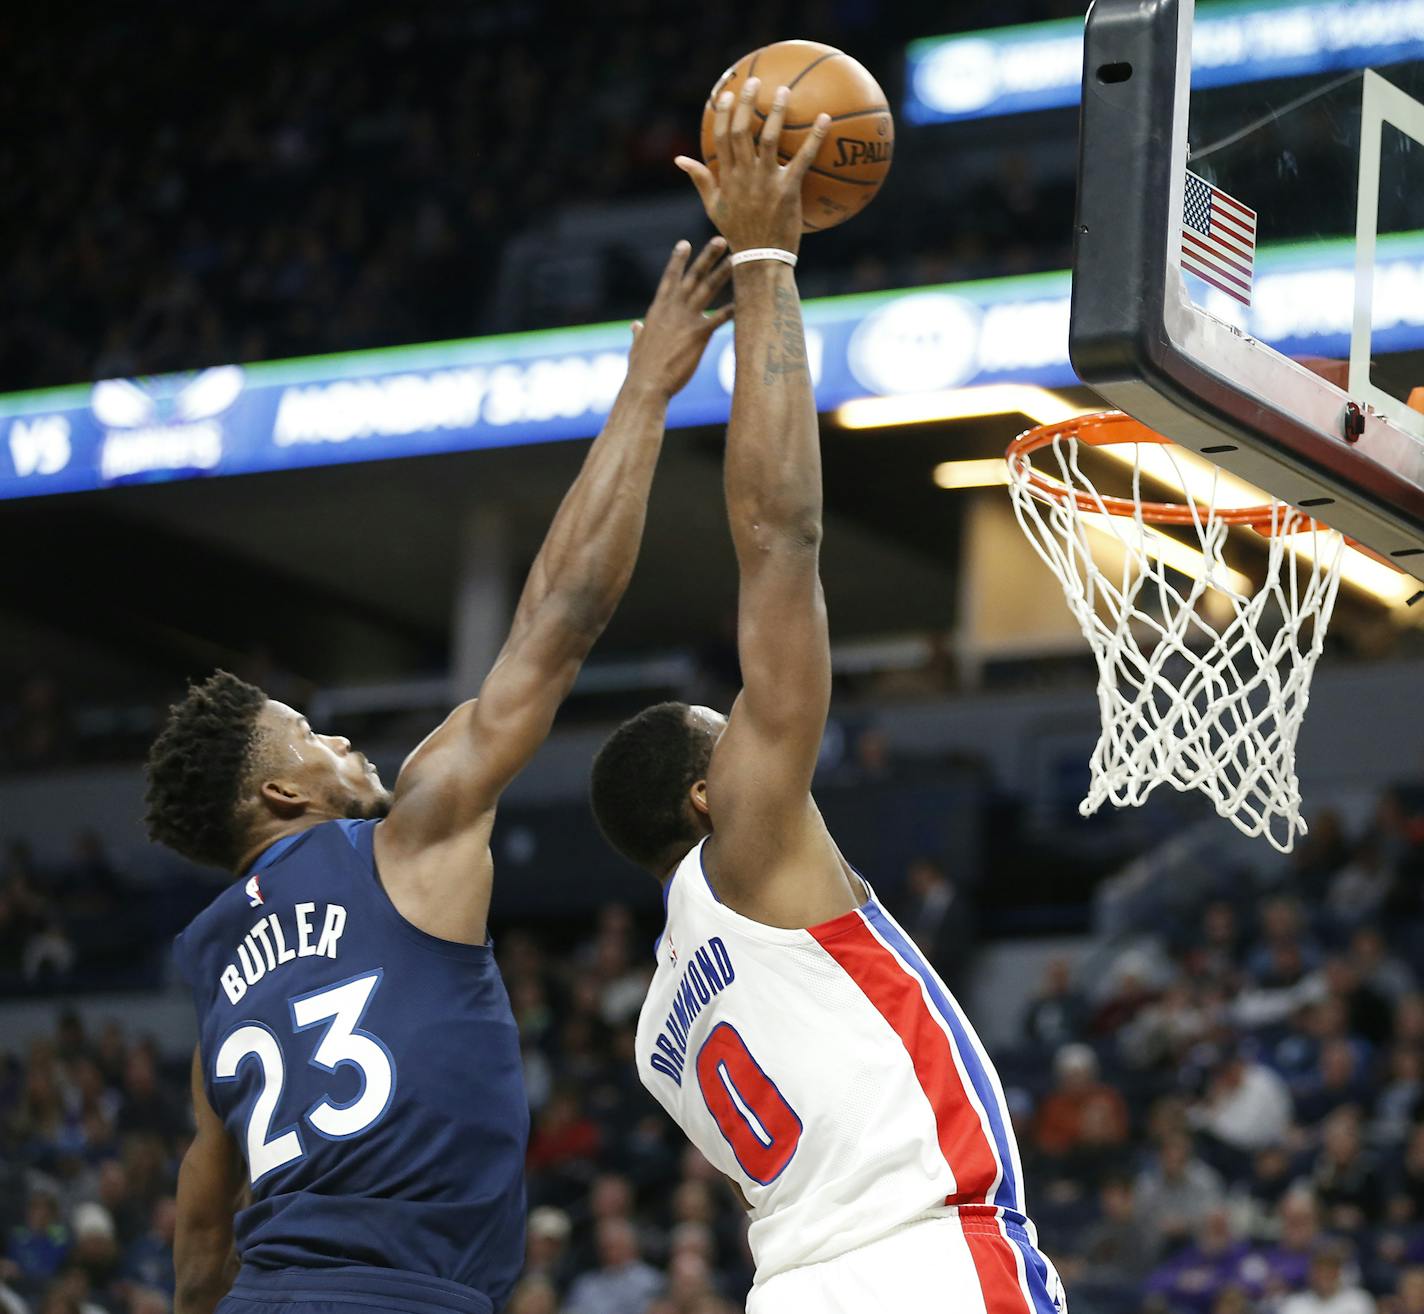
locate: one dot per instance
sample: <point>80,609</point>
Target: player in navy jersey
<point>360,1111</point>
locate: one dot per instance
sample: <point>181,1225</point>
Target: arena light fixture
<point>1171,552</point>
<point>1040,405</point>
<point>988,473</point>
<point>1186,473</point>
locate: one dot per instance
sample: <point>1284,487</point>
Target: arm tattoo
<point>786,355</point>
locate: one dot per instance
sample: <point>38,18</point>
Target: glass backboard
<point>1249,269</point>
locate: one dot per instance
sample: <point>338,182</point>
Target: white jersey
<point>827,1071</point>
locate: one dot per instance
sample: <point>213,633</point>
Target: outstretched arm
<point>210,1184</point>
<point>434,841</point>
<point>769,853</point>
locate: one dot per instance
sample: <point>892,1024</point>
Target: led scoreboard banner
<point>1038,66</point>
<point>560,384</point>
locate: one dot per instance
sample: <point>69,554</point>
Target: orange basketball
<point>854,158</point>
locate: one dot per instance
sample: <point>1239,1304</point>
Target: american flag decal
<point>1218,239</point>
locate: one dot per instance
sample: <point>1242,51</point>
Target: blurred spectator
<point>1247,1106</point>
<point>1082,1112</point>
<point>1177,1193</point>
<point>148,1260</point>
<point>1272,1271</point>
<point>937,915</point>
<point>41,1244</point>
<point>623,1283</point>
<point>1193,1278</point>
<point>1122,1246</point>
<point>1409,1292</point>
<point>1329,1292</point>
<point>1058,1013</point>
<point>1346,1178</point>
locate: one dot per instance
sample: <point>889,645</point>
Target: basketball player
<point>792,1028</point>
<point>357,1081</point>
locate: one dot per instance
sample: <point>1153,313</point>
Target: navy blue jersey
<point>370,1072</point>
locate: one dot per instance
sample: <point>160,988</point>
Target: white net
<point>1203,673</point>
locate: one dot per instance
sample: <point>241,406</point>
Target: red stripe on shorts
<point>998,1270</point>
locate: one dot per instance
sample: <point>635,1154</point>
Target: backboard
<point>1249,259</point>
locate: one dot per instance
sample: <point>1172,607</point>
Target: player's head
<point>649,787</point>
<point>231,767</point>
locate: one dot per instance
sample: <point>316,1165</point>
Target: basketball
<point>854,158</point>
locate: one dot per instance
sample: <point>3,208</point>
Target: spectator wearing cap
<point>96,1250</point>
<point>1082,1112</point>
<point>1331,1290</point>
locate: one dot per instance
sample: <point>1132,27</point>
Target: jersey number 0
<point>754,1117</point>
<point>340,1008</point>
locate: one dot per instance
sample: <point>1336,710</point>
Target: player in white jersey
<point>792,1028</point>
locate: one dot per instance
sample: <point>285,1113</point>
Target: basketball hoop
<point>1203,676</point>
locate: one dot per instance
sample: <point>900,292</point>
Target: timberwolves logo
<point>165,427</point>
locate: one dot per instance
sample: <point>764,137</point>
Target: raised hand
<point>670,339</point>
<point>754,199</point>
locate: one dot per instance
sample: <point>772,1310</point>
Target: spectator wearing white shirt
<point>1247,1107</point>
<point>1330,1291</point>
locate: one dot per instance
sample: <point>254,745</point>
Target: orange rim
<point>1107,429</point>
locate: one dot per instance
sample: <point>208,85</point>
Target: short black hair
<point>641,779</point>
<point>197,768</point>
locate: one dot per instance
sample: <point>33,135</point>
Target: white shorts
<point>938,1264</point>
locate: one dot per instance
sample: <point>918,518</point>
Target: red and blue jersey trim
<point>970,1117</point>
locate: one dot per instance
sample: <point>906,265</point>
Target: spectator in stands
<point>148,1260</point>
<point>95,1252</point>
<point>1282,954</point>
<point>623,1283</point>
<point>1177,1192</point>
<point>936,913</point>
<point>1383,972</point>
<point>1247,1106</point>
<point>534,1294</point>
<point>1193,1278</point>
<point>40,1246</point>
<point>1058,1014</point>
<point>1346,1178</point>
<point>1400,1101</point>
<point>1082,1113</point>
<point>1272,1271</point>
<point>1339,1080</point>
<point>1359,889</point>
<point>547,1251</point>
<point>1409,1292</point>
<point>1329,1292</point>
<point>1123,1245</point>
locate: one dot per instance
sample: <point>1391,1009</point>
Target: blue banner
<point>1012,70</point>
<point>543,387</point>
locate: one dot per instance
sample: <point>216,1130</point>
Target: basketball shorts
<point>353,1289</point>
<point>938,1264</point>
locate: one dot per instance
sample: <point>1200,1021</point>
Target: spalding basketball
<point>854,158</point>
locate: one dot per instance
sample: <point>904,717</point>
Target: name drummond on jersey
<point>708,973</point>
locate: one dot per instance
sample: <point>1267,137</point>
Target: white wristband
<point>763,253</point>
